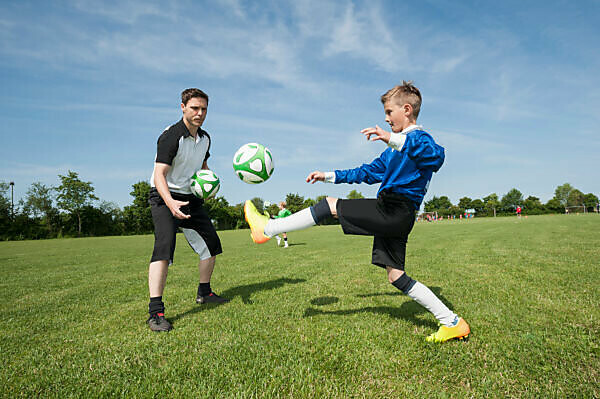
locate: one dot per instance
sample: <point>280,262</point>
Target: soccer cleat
<point>257,223</point>
<point>211,298</point>
<point>158,323</point>
<point>460,331</point>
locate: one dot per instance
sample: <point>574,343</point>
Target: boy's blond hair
<point>406,93</point>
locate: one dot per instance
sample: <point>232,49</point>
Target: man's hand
<point>377,133</point>
<point>315,176</point>
<point>175,206</point>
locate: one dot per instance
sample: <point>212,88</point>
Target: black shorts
<point>198,229</point>
<point>389,218</point>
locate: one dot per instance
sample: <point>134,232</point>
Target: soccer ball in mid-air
<point>253,163</point>
<point>205,184</point>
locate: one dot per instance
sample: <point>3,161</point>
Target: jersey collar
<point>411,128</point>
<point>186,132</point>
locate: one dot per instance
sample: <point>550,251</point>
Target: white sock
<point>297,221</point>
<point>278,239</point>
<point>426,298</point>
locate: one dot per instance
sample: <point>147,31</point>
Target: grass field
<point>313,320</point>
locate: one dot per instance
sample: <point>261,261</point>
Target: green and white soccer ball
<point>253,163</point>
<point>205,184</point>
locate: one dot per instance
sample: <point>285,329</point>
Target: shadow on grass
<point>408,310</point>
<point>243,291</point>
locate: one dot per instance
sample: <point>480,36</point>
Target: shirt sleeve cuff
<point>397,141</point>
<point>329,177</point>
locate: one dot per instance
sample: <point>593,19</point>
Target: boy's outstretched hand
<point>378,133</point>
<point>315,176</point>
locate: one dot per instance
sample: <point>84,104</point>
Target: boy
<point>404,171</point>
<point>182,149</point>
<point>283,212</point>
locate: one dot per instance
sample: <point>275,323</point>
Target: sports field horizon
<point>313,320</point>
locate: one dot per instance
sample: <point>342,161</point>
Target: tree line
<point>71,209</point>
<point>566,198</point>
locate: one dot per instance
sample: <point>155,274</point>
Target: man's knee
<point>393,274</point>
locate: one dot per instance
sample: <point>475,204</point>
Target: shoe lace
<point>157,319</point>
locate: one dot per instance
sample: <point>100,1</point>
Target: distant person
<point>518,211</point>
<point>283,212</point>
<point>404,170</point>
<point>182,149</point>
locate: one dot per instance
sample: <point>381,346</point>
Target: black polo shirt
<point>178,148</point>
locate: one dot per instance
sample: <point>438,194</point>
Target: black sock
<point>320,211</point>
<point>204,289</point>
<point>156,305</point>
<point>404,283</point>
<point>285,239</point>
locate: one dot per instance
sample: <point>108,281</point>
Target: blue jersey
<point>406,172</point>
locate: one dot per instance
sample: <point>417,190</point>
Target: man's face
<point>194,112</point>
<point>397,116</point>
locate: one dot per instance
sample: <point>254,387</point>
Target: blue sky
<point>511,89</point>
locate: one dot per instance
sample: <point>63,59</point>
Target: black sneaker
<point>211,298</point>
<point>158,323</point>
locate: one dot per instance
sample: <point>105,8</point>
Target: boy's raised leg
<point>262,228</point>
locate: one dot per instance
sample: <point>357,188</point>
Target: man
<point>182,149</point>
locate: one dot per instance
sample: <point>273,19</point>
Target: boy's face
<point>398,116</point>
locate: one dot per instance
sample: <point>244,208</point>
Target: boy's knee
<point>332,202</point>
<point>323,209</point>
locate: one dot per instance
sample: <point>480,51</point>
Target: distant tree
<point>218,211</point>
<point>437,204</point>
<point>562,193</point>
<point>575,198</point>
<point>511,199</point>
<point>295,202</point>
<point>74,195</point>
<point>39,203</point>
<point>320,198</point>
<point>5,210</point>
<point>273,209</point>
<point>104,220</point>
<point>258,203</point>
<point>355,195</point>
<point>237,214</point>
<point>590,201</point>
<point>465,203</point>
<point>478,205</point>
<point>491,204</point>
<point>308,203</point>
<point>138,216</point>
<point>554,205</point>
<point>533,206</point>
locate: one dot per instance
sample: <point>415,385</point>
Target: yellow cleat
<point>257,223</point>
<point>460,331</point>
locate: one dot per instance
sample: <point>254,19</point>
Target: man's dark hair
<point>188,94</point>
